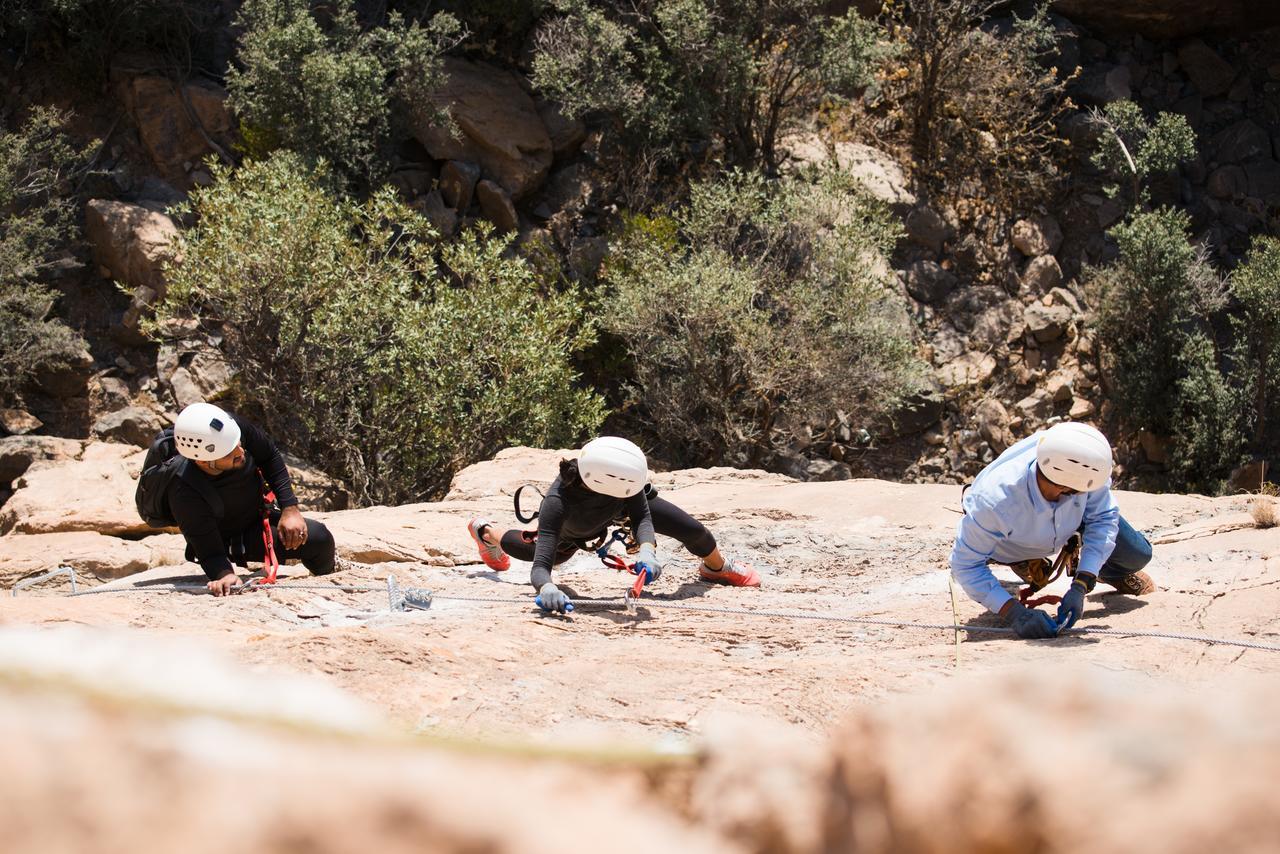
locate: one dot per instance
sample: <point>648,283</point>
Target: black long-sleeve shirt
<point>211,540</point>
<point>580,514</point>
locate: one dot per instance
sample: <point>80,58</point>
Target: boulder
<point>1041,236</point>
<point>17,453</point>
<point>878,173</point>
<point>1042,274</point>
<point>87,552</point>
<point>999,324</point>
<point>1208,72</point>
<point>497,207</point>
<point>1047,322</point>
<point>928,282</point>
<point>94,493</point>
<point>176,123</point>
<point>133,425</point>
<point>458,183</point>
<point>970,369</point>
<point>1240,142</point>
<point>193,369</point>
<point>827,470</point>
<point>498,122</point>
<point>566,134</point>
<point>926,227</point>
<point>131,242</point>
<point>1037,405</point>
<point>917,413</point>
<point>316,491</point>
<point>1228,182</point>
<point>569,189</point>
<point>1082,409</point>
<point>19,422</point>
<point>1060,386</point>
<point>1101,84</point>
<point>993,424</point>
<point>443,218</point>
<point>69,380</point>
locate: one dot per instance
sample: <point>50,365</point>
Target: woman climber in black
<point>606,483</point>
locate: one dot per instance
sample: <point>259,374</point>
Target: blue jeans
<point>1132,553</point>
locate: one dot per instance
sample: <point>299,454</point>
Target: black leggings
<point>316,553</point>
<point>668,520</point>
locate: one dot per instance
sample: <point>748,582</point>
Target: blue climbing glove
<point>551,598</point>
<point>648,563</point>
<point>1072,605</point>
<point>1030,623</point>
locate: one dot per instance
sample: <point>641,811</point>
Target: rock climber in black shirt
<point>605,484</point>
<point>228,453</point>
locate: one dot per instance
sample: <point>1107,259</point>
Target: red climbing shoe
<point>493,556</point>
<point>733,573</point>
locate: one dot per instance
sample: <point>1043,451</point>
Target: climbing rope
<point>418,598</point>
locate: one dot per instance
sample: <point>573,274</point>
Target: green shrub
<point>37,162</point>
<point>1132,149</point>
<point>387,358</point>
<point>331,92</point>
<point>759,303</point>
<point>1256,285</point>
<point>674,72</point>
<point>1164,369</point>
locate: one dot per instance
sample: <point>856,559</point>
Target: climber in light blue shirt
<point>1027,504</point>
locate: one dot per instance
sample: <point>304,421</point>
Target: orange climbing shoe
<point>734,573</point>
<point>493,556</point>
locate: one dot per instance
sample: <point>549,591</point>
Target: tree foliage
<point>1166,370</point>
<point>327,90</point>
<point>1256,285</point>
<point>980,103</point>
<point>673,73</point>
<point>385,357</point>
<point>36,162</point>
<point>1132,148</point>
<point>758,302</point>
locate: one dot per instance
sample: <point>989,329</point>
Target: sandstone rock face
<point>89,553</point>
<point>900,771</point>
<point>500,127</point>
<point>92,494</point>
<point>170,131</point>
<point>132,243</point>
<point>133,425</point>
<point>18,453</point>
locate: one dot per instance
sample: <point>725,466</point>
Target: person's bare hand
<point>224,585</point>
<point>292,527</point>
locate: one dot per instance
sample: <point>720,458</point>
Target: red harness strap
<point>270,563</point>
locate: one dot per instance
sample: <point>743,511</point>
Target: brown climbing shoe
<point>1134,584</point>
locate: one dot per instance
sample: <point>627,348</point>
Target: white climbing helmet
<point>205,432</point>
<point>1074,455</point>
<point>613,466</point>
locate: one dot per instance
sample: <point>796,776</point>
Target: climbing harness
<point>1038,573</point>
<point>401,599</point>
<point>270,563</point>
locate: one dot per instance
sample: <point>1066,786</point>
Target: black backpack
<point>162,465</point>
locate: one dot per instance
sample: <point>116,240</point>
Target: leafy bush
<point>327,92</point>
<point>1133,149</point>
<point>675,72</point>
<point>1256,285</point>
<point>387,358</point>
<point>757,303</point>
<point>1165,370</point>
<point>36,162</point>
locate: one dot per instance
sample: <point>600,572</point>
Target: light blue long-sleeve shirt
<point>1008,520</point>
